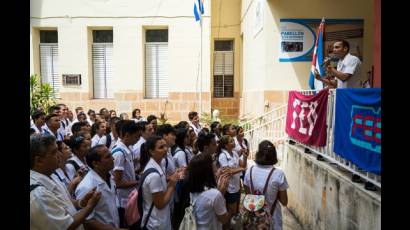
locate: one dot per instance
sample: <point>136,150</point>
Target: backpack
<point>134,210</point>
<point>189,220</point>
<point>255,213</point>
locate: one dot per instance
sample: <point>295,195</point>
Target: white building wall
<point>128,19</point>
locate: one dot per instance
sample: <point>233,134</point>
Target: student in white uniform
<point>180,153</point>
<point>241,144</point>
<point>80,126</point>
<point>80,146</point>
<point>147,131</point>
<point>136,116</point>
<point>194,121</point>
<point>167,132</point>
<point>229,158</point>
<point>91,116</point>
<point>192,139</point>
<point>105,214</point>
<point>265,160</point>
<point>152,119</point>
<point>52,126</point>
<point>112,137</point>
<point>207,197</point>
<point>124,169</point>
<point>157,192</point>
<point>216,129</point>
<point>38,121</point>
<point>207,145</point>
<point>60,174</point>
<point>50,205</point>
<point>98,131</point>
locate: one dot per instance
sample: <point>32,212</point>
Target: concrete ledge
<point>323,197</point>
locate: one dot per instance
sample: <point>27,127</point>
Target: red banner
<point>306,117</point>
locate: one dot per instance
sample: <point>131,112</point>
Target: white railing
<point>271,126</point>
<point>327,150</point>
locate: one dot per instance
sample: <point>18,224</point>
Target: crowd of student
<point>84,170</point>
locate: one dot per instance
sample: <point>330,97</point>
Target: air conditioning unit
<point>71,79</point>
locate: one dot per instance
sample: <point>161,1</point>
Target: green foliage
<point>41,95</point>
<point>205,118</point>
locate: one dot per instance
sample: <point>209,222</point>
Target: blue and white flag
<point>317,59</point>
<point>357,132</point>
<point>198,7</point>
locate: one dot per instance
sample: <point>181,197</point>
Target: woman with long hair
<point>156,191</point>
<point>98,133</point>
<point>230,159</point>
<point>207,196</point>
<point>182,155</point>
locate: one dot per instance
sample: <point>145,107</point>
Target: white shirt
<point>138,120</point>
<point>136,150</point>
<point>123,161</point>
<point>160,218</point>
<point>349,64</point>
<point>47,131</point>
<point>97,140</point>
<point>59,176</point>
<point>50,206</point>
<point>207,206</point>
<point>277,183</point>
<point>171,163</point>
<point>196,129</point>
<point>226,160</point>
<point>181,156</point>
<point>106,210</point>
<point>238,146</point>
<point>70,167</point>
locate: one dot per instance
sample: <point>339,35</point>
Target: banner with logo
<point>306,117</point>
<point>357,130</point>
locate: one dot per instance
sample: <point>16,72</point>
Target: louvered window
<point>156,64</point>
<point>223,69</point>
<point>102,51</point>
<point>49,61</point>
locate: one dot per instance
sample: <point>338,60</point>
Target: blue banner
<point>357,131</point>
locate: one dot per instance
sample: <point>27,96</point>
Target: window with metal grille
<point>156,63</point>
<point>71,79</point>
<point>102,53</point>
<point>223,69</point>
<point>49,61</point>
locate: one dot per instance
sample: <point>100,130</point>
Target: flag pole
<point>200,84</point>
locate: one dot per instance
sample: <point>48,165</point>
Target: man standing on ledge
<point>348,68</point>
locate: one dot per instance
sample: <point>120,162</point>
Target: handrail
<point>271,126</point>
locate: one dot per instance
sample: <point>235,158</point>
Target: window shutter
<point>156,70</point>
<point>48,66</point>
<point>102,70</point>
<point>223,73</point>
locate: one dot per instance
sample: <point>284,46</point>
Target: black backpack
<point>137,225</point>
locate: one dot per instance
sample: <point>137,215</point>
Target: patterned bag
<point>255,213</point>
